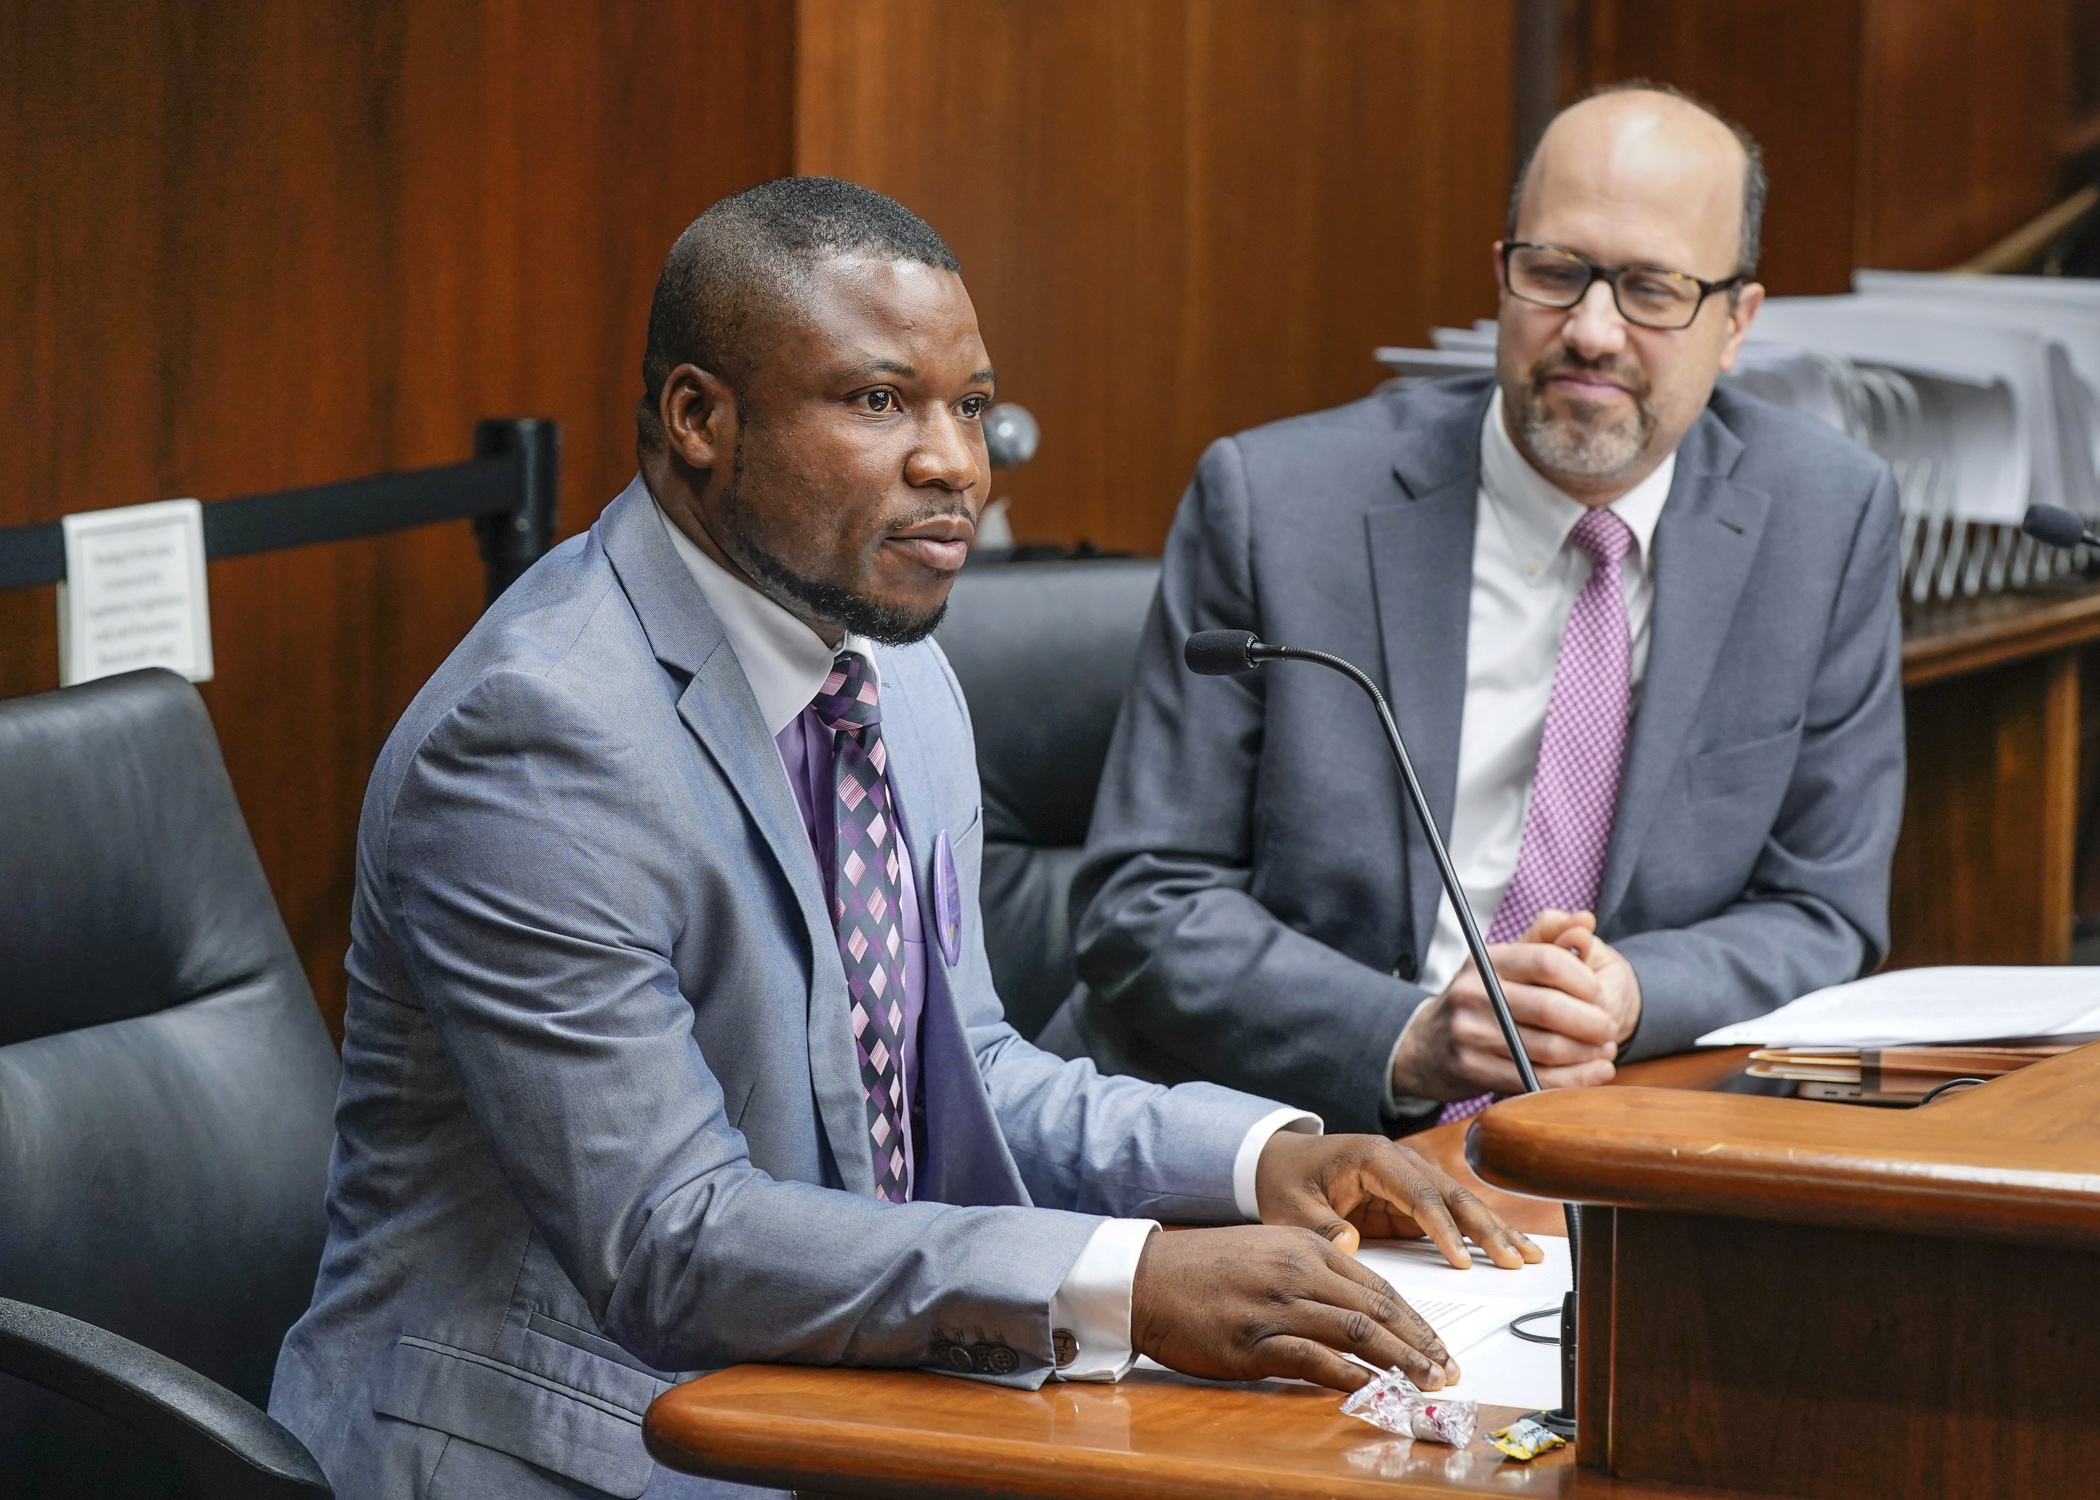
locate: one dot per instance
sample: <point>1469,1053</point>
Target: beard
<point>1582,443</point>
<point>833,603</point>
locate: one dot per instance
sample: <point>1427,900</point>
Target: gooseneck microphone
<point>2045,523</point>
<point>1230,653</point>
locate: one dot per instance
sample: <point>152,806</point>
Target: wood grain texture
<point>1963,105</point>
<point>252,246</point>
<point>2016,1161</point>
<point>1178,218</point>
<point>1951,637</point>
<point>1983,870</point>
<point>907,1435</point>
<point>1445,1145</point>
<point>1899,133</point>
<point>1788,71</point>
<point>1966,1361</point>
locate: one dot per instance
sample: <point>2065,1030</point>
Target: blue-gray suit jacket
<point>601,1122</point>
<point>1256,897</point>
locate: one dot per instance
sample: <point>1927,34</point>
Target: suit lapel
<point>718,707</point>
<point>1705,542</point>
<point>1421,549</point>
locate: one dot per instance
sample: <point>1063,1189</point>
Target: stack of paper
<point>1927,1007</point>
<point>1895,1075</point>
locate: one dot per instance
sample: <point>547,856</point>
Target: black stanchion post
<point>515,540</point>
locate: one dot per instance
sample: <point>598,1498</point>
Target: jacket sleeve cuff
<point>1090,1311</point>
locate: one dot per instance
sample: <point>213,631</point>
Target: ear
<point>1740,316</point>
<point>699,414</point>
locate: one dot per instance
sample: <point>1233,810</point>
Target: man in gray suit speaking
<point>1643,639</point>
<point>671,1040</point>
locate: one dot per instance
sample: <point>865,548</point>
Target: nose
<point>1594,328</point>
<point>948,456</point>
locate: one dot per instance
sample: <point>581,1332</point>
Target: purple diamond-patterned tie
<point>864,895</point>
<point>1575,791</point>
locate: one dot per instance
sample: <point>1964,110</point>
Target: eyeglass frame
<point>1610,275</point>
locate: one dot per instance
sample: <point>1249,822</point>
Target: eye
<point>974,407</point>
<point>880,400</point>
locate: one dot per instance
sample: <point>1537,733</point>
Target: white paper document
<point>134,592</point>
<point>1920,1007</point>
<point>1471,1312</point>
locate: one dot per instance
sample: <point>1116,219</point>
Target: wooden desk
<point>1985,867</point>
<point>1828,1301</point>
<point>906,1434</point>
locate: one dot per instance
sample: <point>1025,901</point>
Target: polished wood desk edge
<point>892,1433</point>
<point>2017,1160</point>
<point>1998,629</point>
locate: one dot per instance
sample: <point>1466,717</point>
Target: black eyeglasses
<point>1555,276</point>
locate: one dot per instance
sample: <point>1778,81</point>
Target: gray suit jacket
<point>1256,898</point>
<point>601,1121</point>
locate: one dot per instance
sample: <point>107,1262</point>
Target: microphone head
<point>1220,653</point>
<point>2054,525</point>
<point>1010,435</point>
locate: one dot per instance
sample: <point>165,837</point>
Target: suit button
<point>953,1357</point>
<point>999,1360</point>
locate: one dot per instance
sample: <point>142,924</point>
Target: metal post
<point>515,540</point>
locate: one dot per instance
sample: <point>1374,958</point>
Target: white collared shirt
<point>1525,579</point>
<point>786,662</point>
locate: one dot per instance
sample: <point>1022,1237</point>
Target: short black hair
<point>1754,185</point>
<point>749,254</point>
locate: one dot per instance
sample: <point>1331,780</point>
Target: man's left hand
<point>1347,1188</point>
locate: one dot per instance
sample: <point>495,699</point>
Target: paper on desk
<point>1909,1007</point>
<point>1470,1310</point>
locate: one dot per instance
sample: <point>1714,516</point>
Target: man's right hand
<point>1250,1302</point>
<point>1453,1047</point>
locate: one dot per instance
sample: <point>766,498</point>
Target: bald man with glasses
<point>1642,635</point>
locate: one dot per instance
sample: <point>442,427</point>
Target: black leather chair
<point>1044,651</point>
<point>166,1092</point>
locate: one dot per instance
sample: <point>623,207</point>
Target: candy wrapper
<point>1526,1438</point>
<point>1397,1404</point>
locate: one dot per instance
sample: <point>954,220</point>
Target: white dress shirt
<point>1525,579</point>
<point>786,663</point>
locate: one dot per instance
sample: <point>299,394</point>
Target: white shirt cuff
<point>1090,1311</point>
<point>1244,1164</point>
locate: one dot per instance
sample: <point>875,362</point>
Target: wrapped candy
<point>1526,1438</point>
<point>1393,1402</point>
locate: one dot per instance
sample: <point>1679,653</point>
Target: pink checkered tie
<point>1576,788</point>
<point>865,893</point>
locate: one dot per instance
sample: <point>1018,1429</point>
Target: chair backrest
<point>166,1085</point>
<point>1044,652</point>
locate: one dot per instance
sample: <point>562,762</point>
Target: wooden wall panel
<point>1907,134</point>
<point>1178,217</point>
<point>1788,71</point>
<point>1963,106</point>
<point>255,245</point>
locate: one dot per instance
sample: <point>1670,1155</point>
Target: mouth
<point>1587,385</point>
<point>941,544</point>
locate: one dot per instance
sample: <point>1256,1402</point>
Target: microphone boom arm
<point>1475,944</point>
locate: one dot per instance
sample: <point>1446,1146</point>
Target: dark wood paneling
<point>1963,107</point>
<point>1178,217</point>
<point>1788,71</point>
<point>1983,870</point>
<point>253,245</point>
<point>1754,1356</point>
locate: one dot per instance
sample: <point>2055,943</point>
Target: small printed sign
<point>134,593</point>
